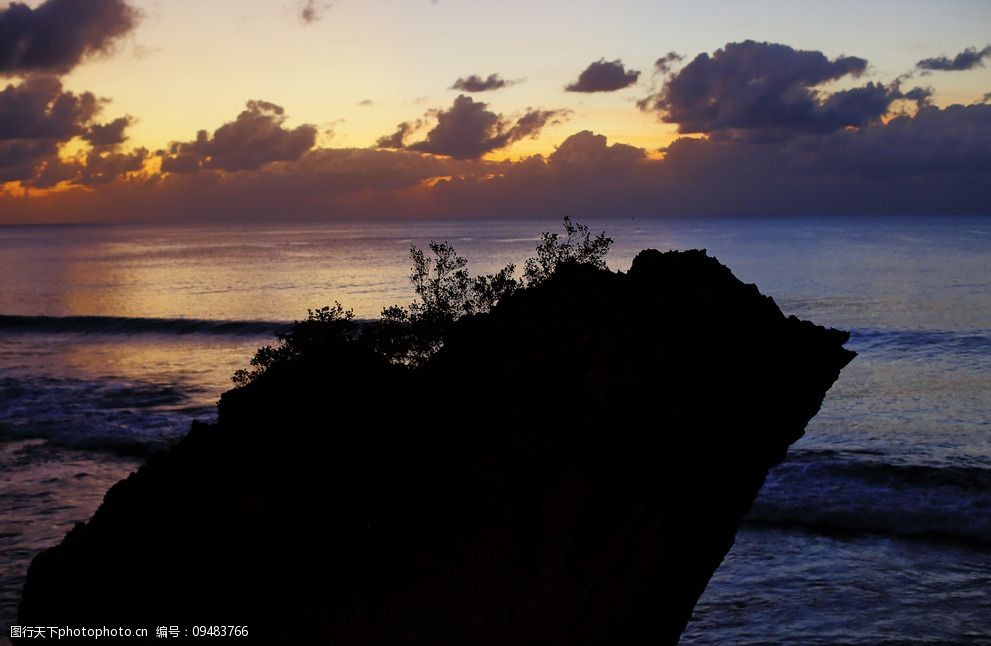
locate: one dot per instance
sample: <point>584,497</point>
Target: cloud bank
<point>763,137</point>
<point>936,161</point>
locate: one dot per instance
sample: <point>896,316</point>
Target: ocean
<point>876,529</point>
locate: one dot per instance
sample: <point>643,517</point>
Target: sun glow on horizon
<point>395,101</point>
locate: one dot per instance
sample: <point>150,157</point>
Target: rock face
<point>569,469</point>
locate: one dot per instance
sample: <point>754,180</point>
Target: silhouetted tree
<point>445,292</point>
<point>321,329</point>
<point>579,247</point>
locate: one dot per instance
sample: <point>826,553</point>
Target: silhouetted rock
<point>569,469</point>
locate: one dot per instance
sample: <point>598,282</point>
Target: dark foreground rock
<point>568,469</point>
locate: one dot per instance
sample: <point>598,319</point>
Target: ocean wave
<point>100,414</point>
<point>836,493</point>
<point>119,325</point>
<point>927,343</point>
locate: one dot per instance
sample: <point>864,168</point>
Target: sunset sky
<point>352,109</point>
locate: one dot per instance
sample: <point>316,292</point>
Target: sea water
<point>877,527</point>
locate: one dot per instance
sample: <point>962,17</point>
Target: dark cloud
<point>604,76</point>
<point>348,170</point>
<point>766,86</point>
<point>37,117</point>
<point>589,157</point>
<point>398,138</point>
<point>95,168</point>
<point>311,11</point>
<point>51,172</point>
<point>955,140</point>
<point>108,134</point>
<point>257,137</point>
<point>38,108</point>
<point>468,130</point>
<point>986,98</point>
<point>935,161</point>
<point>366,103</point>
<point>585,147</point>
<point>58,34</point>
<point>361,183</point>
<point>857,106</point>
<point>922,96</point>
<point>103,167</point>
<point>965,60</point>
<point>475,83</point>
<point>533,121</point>
<point>19,157</point>
<point>665,63</point>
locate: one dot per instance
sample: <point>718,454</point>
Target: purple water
<point>876,529</point>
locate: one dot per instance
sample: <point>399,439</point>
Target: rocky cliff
<point>569,468</point>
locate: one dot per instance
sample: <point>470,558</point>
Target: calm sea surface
<point>876,529</point>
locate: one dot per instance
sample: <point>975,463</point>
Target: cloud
<point>965,60</point>
<point>468,130</point>
<point>108,134</point>
<point>37,117</point>
<point>475,83</point>
<point>257,137</point>
<point>777,143</point>
<point>341,171</point>
<point>936,161</point>
<point>38,108</point>
<point>58,34</point>
<point>95,168</point>
<point>365,103</point>
<point>19,157</point>
<point>362,183</point>
<point>104,167</point>
<point>922,96</point>
<point>955,140</point>
<point>590,157</point>
<point>665,63</point>
<point>311,11</point>
<point>532,122</point>
<point>398,138</point>
<point>604,76</point>
<point>768,87</point>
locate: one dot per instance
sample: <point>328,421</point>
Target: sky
<point>154,110</point>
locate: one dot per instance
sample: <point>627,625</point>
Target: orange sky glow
<point>180,100</point>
